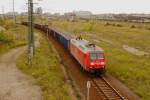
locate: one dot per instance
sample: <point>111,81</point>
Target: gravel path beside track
<point>14,85</point>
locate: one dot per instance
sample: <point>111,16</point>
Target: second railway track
<point>105,90</point>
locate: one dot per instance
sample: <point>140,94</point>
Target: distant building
<point>83,14</point>
<point>105,16</point>
<point>24,14</point>
<point>39,11</point>
<point>11,14</point>
<point>78,14</point>
<point>1,15</point>
<point>47,14</point>
<point>124,17</point>
<point>70,16</point>
<point>56,14</point>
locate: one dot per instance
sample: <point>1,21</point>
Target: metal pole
<point>14,16</point>
<point>30,31</point>
<point>29,36</point>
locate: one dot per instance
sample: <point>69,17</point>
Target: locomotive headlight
<point>92,63</point>
<point>102,63</point>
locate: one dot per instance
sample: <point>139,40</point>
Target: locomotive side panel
<point>78,54</point>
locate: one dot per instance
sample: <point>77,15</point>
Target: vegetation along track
<point>105,90</point>
<point>80,78</point>
<point>75,72</point>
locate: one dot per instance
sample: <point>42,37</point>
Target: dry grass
<point>46,70</point>
<point>13,35</point>
<point>133,70</point>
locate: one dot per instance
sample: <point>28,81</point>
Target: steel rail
<point>122,98</point>
<point>109,93</point>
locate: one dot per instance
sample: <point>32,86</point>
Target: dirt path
<point>14,85</point>
<point>134,51</point>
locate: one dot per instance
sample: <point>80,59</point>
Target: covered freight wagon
<point>63,38</point>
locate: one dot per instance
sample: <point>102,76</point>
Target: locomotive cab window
<point>95,56</point>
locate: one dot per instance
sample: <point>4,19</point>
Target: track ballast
<point>105,90</point>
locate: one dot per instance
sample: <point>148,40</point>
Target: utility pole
<point>31,47</point>
<point>14,15</point>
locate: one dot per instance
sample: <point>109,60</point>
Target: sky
<point>95,6</point>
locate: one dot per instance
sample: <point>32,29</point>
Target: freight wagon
<point>63,38</point>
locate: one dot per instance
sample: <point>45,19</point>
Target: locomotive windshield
<point>95,56</point>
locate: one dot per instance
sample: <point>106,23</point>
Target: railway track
<point>105,90</point>
<point>101,89</point>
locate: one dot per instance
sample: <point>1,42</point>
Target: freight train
<point>89,56</point>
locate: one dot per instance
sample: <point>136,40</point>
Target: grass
<point>47,72</point>
<point>132,70</point>
<point>13,36</point>
<point>125,34</point>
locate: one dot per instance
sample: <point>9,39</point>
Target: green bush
<point>89,27</point>
<point>2,22</point>
<point>133,26</point>
<point>9,24</point>
<point>3,38</point>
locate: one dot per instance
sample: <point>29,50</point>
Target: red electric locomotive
<point>90,57</point>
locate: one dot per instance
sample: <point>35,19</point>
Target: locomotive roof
<point>85,46</point>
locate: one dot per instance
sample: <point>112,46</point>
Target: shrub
<point>2,22</point>
<point>89,27</point>
<point>107,24</point>
<point>8,24</point>
<point>3,38</point>
<point>133,26</point>
<point>118,25</point>
<point>148,28</point>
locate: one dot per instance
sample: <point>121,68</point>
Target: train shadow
<point>93,74</point>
